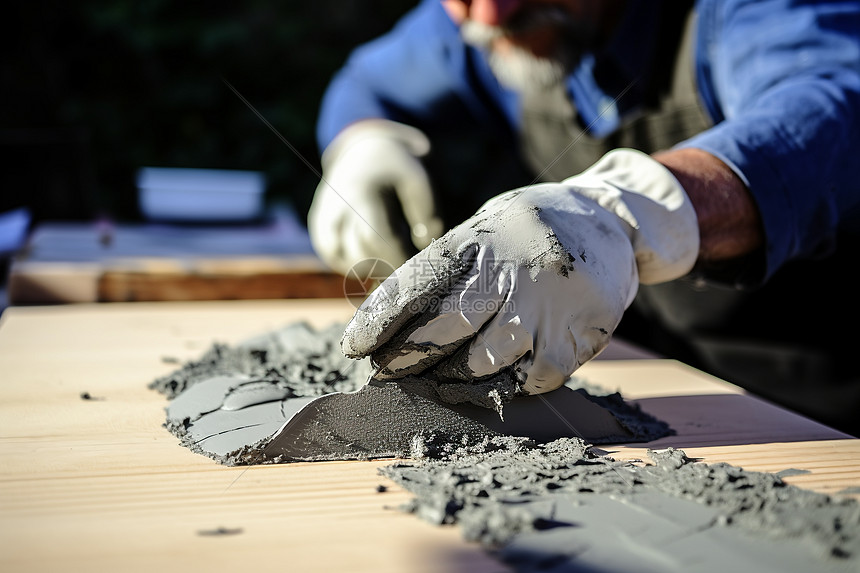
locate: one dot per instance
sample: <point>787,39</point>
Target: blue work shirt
<point>780,80</point>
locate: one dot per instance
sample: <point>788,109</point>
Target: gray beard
<point>517,68</point>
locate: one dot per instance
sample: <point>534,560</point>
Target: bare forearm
<point>729,221</point>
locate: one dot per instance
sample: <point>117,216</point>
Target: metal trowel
<point>241,420</point>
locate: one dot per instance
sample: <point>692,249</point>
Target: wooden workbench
<point>93,262</point>
<point>100,485</point>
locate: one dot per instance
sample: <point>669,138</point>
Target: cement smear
<point>560,507</point>
<point>232,405</point>
<point>539,506</point>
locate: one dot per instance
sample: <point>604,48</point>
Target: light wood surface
<point>100,485</point>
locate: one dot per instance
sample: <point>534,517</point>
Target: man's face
<point>530,43</point>
<point>532,24</point>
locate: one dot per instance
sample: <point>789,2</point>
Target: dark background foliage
<point>93,89</point>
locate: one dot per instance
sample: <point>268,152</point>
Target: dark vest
<point>554,143</point>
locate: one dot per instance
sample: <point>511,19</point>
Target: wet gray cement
<point>303,360</point>
<point>233,405</point>
<point>537,505</point>
<point>560,507</point>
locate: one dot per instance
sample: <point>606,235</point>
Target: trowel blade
<point>379,420</point>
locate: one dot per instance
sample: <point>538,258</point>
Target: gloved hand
<point>537,279</point>
<point>372,179</point>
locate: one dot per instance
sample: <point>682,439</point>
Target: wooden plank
<point>84,262</point>
<point>153,280</point>
<point>53,283</point>
<point>123,286</point>
<point>100,485</point>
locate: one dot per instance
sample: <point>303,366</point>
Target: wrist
<point>729,222</point>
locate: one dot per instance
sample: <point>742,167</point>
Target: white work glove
<point>372,179</point>
<point>536,280</point>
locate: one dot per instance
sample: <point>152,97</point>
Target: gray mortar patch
<point>230,403</point>
<point>305,360</point>
<point>561,507</point>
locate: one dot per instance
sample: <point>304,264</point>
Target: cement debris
<point>299,357</point>
<point>560,507</point>
<point>220,531</point>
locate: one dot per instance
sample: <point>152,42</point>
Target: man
<point>706,160</point>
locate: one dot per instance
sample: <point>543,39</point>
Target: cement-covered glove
<point>372,179</point>
<point>536,280</point>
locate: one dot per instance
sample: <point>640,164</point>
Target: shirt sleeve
<point>418,73</point>
<point>782,82</point>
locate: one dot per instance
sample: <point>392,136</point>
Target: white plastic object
<point>183,194</point>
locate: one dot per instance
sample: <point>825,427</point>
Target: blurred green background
<point>93,90</point>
